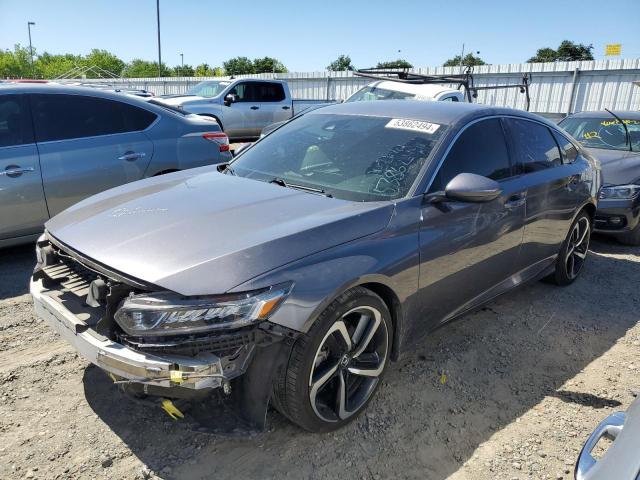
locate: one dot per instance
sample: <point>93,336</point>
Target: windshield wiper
<point>304,188</point>
<point>626,129</point>
<point>225,167</point>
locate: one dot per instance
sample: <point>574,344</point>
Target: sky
<point>307,35</point>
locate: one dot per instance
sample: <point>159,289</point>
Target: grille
<point>221,344</point>
<point>71,275</point>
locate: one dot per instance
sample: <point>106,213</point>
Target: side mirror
<point>230,98</point>
<point>469,187</point>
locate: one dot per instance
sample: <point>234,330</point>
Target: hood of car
<point>177,100</point>
<point>618,167</point>
<point>201,232</point>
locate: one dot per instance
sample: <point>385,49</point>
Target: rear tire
<point>335,368</point>
<point>630,238</point>
<point>573,252</point>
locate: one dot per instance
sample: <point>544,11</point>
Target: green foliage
<point>244,66</point>
<point>268,65</point>
<point>183,71</point>
<point>16,63</point>
<point>567,52</point>
<point>104,60</point>
<point>341,64</point>
<point>238,66</point>
<point>142,68</point>
<point>469,60</point>
<point>399,63</point>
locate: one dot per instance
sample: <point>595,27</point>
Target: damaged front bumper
<point>241,362</point>
<point>126,363</point>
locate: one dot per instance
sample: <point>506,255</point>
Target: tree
<point>399,63</point>
<point>567,52</point>
<point>142,68</point>
<point>469,60</point>
<point>52,66</point>
<point>183,71</point>
<point>341,64</point>
<point>103,60</point>
<point>16,63</point>
<point>268,65</point>
<point>238,66</point>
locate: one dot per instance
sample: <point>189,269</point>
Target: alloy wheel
<point>577,247</point>
<point>348,364</point>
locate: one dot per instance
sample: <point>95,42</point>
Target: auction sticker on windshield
<point>413,125</point>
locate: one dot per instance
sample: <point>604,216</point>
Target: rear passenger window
<point>15,122</point>
<point>534,147</point>
<point>61,117</point>
<point>569,151</point>
<point>481,149</point>
<point>267,92</point>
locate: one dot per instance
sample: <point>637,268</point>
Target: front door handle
<point>286,108</point>
<point>516,200</point>
<point>14,171</point>
<point>255,108</point>
<point>131,156</point>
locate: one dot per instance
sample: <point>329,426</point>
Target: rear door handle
<point>255,108</point>
<point>516,200</point>
<point>14,171</point>
<point>131,156</point>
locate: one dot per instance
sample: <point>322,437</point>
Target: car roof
<point>427,90</point>
<point>57,88</point>
<point>626,114</point>
<point>443,113</point>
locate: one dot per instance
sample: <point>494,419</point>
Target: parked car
<point>241,107</point>
<point>59,145</point>
<point>318,255</point>
<point>390,90</point>
<point>614,139</point>
<point>621,461</point>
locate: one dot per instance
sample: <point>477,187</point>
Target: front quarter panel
<point>388,258</point>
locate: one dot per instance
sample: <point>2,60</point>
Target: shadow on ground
<point>498,363</point>
<point>16,265</point>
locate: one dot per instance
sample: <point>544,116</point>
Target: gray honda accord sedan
<point>294,274</point>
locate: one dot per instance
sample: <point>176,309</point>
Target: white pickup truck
<point>390,90</point>
<point>242,107</point>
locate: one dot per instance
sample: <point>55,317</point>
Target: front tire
<point>335,368</point>
<point>573,252</point>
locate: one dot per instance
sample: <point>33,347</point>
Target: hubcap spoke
<point>342,397</point>
<point>373,324</point>
<point>321,381</point>
<point>341,328</point>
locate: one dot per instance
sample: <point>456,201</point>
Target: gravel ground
<point>509,392</point>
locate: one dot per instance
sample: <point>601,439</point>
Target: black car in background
<point>614,139</point>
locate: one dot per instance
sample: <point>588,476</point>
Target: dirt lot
<point>510,392</point>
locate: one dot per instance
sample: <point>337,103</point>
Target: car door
<point>468,250</point>
<point>552,188</point>
<point>272,103</point>
<point>23,209</point>
<point>88,145</point>
<point>237,116</point>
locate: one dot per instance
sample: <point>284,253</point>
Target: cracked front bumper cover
<point>202,372</point>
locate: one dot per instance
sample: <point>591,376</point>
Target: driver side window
<point>480,149</point>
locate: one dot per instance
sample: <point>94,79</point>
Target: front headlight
<point>619,192</point>
<point>167,313</point>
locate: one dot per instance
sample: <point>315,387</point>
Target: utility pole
<point>159,48</point>
<point>31,48</point>
<point>182,60</point>
<point>461,57</point>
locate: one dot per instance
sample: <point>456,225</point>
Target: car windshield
<point>208,89</point>
<point>352,157</point>
<point>367,94</point>
<point>603,132</point>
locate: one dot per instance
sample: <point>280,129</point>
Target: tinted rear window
<point>61,117</point>
<point>535,147</point>
<point>15,122</point>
